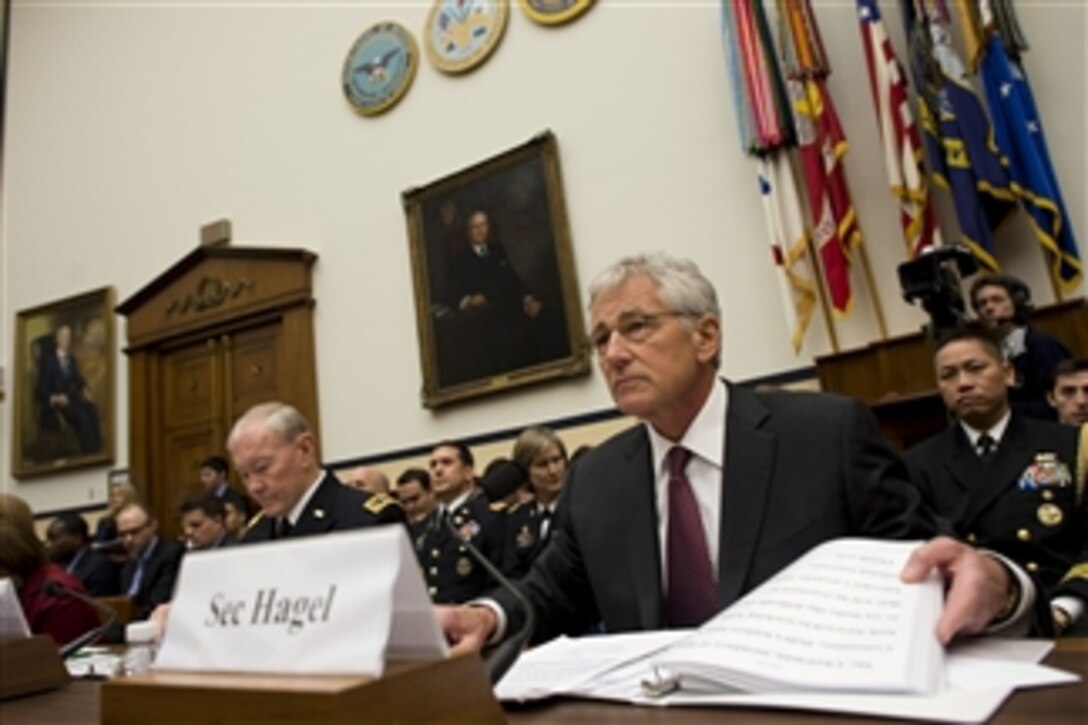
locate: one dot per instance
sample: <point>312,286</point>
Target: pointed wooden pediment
<point>216,284</point>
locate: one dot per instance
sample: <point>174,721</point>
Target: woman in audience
<point>120,495</point>
<point>22,557</point>
<point>540,452</point>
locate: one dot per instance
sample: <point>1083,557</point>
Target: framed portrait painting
<point>63,385</point>
<point>496,293</point>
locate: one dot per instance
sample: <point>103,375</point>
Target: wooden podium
<point>30,665</point>
<point>453,690</point>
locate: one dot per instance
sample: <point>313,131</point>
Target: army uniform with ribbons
<point>1026,500</point>
<point>528,530</point>
<point>451,573</point>
<point>333,507</point>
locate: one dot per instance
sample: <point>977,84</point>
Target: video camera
<point>934,279</point>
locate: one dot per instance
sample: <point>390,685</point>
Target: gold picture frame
<point>63,387</point>
<point>554,12</point>
<point>497,304</point>
<point>458,37</point>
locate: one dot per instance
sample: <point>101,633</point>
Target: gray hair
<point>534,441</point>
<point>281,418</point>
<point>681,286</point>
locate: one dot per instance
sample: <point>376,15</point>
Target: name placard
<point>342,603</point>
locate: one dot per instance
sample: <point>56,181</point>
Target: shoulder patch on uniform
<point>254,521</point>
<point>378,502</point>
<point>498,506</point>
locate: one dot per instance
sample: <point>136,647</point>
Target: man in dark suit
<point>149,574</point>
<point>1006,481</point>
<point>64,396</point>
<point>275,453</point>
<point>719,488</point>
<point>203,523</point>
<point>499,312</point>
<point>1003,305</point>
<point>68,545</point>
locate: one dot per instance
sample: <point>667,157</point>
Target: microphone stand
<point>506,653</point>
<point>55,589</point>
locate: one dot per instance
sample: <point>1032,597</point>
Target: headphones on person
<point>1019,293</point>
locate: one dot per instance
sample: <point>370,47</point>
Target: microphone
<point>111,545</point>
<point>502,478</point>
<point>55,589</point>
<point>507,652</point>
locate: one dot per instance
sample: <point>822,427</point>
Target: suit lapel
<point>319,514</point>
<point>749,463</point>
<point>636,475</point>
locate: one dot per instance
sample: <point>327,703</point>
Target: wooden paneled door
<point>222,330</point>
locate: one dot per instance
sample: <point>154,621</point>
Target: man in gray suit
<point>719,487</point>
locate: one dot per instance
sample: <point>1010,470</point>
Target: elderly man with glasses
<point>721,486</point>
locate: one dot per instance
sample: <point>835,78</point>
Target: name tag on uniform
<point>342,603</point>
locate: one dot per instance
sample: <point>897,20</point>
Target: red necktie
<point>691,597</point>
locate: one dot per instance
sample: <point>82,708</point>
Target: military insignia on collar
<point>255,520</point>
<point>1045,471</point>
<point>464,566</point>
<point>468,531</point>
<point>1049,514</point>
<point>378,502</point>
<point>319,513</point>
<point>525,537</point>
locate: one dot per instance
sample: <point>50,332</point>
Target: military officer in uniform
<point>1005,481</point>
<point>529,525</point>
<point>451,573</point>
<point>274,451</point>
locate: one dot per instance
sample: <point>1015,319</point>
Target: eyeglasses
<point>632,326</point>
<point>133,531</point>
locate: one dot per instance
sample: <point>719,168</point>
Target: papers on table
<point>836,631</point>
<point>979,675</point>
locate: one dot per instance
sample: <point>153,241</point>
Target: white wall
<point>130,124</point>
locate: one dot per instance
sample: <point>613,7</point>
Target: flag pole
<point>825,306</point>
<point>872,292</point>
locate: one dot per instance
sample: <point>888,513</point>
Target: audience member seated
<point>451,573</point>
<point>500,485</point>
<point>234,518</point>
<point>215,478</point>
<point>416,498</point>
<point>540,452</point>
<point>148,576</point>
<point>119,496</point>
<point>68,545</point>
<point>203,523</point>
<point>22,557</point>
<point>1068,393</point>
<point>1005,481</point>
<point>1003,305</point>
<point>367,478</point>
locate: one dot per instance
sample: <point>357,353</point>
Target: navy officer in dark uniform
<point>1006,481</point>
<point>275,453</point>
<point>451,573</point>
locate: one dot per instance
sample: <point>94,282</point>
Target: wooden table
<point>79,703</point>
